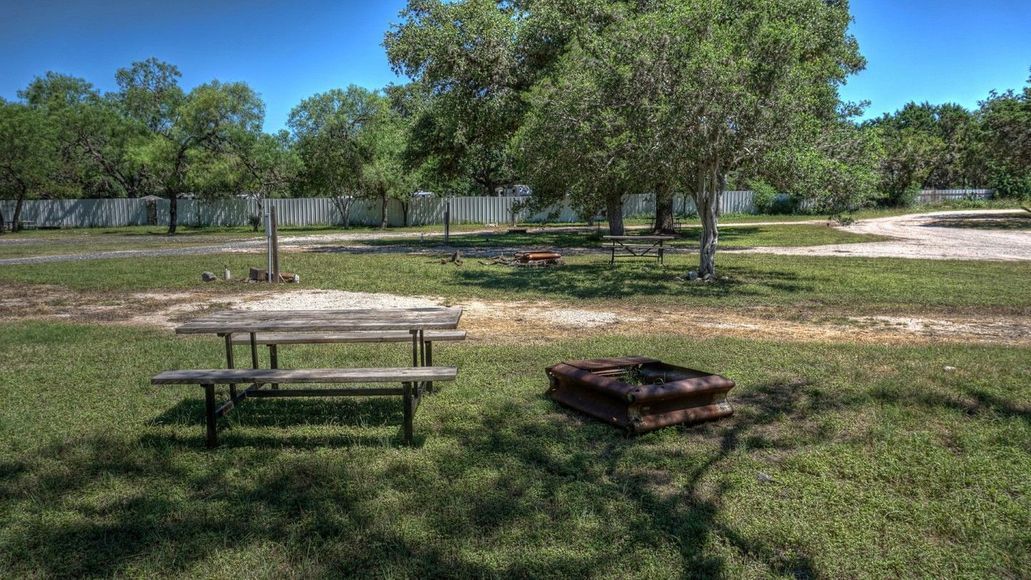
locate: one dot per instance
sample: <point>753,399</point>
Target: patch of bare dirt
<point>525,322</point>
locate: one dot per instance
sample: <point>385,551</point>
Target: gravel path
<point>945,235</point>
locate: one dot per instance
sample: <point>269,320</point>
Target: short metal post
<point>409,411</point>
<point>209,413</point>
<point>415,348</point>
<point>273,360</point>
<point>254,350</point>
<point>229,361</point>
<point>447,221</point>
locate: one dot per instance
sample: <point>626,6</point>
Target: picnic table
<point>645,246</point>
<point>318,326</point>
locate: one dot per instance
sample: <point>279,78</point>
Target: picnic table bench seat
<point>424,357</point>
<point>346,337</point>
<point>636,247</point>
<point>412,379</point>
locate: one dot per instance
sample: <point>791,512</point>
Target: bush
<point>1012,185</point>
<point>768,200</point>
<point>764,197</point>
<point>254,221</point>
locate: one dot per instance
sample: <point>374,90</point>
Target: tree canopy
<point>586,101</point>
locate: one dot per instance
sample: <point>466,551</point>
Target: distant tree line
<point>583,100</point>
<point>63,138</point>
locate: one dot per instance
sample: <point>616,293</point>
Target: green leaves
<point>28,151</point>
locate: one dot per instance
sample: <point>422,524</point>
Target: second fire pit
<point>640,394</point>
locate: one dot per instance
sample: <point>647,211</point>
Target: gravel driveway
<point>944,235</point>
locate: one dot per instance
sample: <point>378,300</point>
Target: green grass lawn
<point>88,241</point>
<point>789,285</point>
<point>883,464</point>
<point>738,236</point>
<point>842,459</point>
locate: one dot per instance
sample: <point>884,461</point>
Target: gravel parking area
<point>948,235</point>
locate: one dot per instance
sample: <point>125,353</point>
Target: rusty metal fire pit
<point>640,394</point>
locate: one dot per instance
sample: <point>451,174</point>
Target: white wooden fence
<point>940,195</point>
<point>72,213</point>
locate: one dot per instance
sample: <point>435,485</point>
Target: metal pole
<point>268,245</point>
<point>447,220</point>
<point>275,243</point>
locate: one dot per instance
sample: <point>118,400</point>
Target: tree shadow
<point>975,402</point>
<point>985,221</point>
<point>501,477</point>
<point>604,281</point>
<point>284,414</point>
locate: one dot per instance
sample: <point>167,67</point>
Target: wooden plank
<point>348,337</point>
<point>328,393</point>
<point>377,313</point>
<point>645,238</point>
<point>297,376</point>
<point>243,321</point>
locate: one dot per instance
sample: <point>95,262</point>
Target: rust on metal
<point>533,258</point>
<point>538,256</point>
<point>640,394</point>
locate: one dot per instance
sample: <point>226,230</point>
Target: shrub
<point>1008,184</point>
<point>763,196</point>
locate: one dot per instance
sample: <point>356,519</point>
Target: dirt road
<point>1000,235</point>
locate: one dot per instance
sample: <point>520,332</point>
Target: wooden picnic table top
<point>234,321</point>
<point>643,238</point>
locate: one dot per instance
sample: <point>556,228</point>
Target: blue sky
<point>922,50</point>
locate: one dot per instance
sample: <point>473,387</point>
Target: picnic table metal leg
<point>429,363</point>
<point>209,414</point>
<point>229,362</point>
<point>409,412</point>
<point>273,361</point>
<point>254,350</point>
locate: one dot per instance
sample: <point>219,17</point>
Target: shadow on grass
<point>603,281</point>
<point>587,238</point>
<point>172,508</point>
<point>985,221</point>
<point>973,402</point>
<point>287,413</point>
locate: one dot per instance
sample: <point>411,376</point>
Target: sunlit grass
<point>881,462</point>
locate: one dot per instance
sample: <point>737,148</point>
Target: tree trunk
<point>16,219</point>
<point>343,205</point>
<point>614,209</point>
<point>1,218</point>
<point>260,211</point>
<point>173,213</point>
<point>404,213</point>
<point>708,201</point>
<point>664,210</point>
<point>383,212</point>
